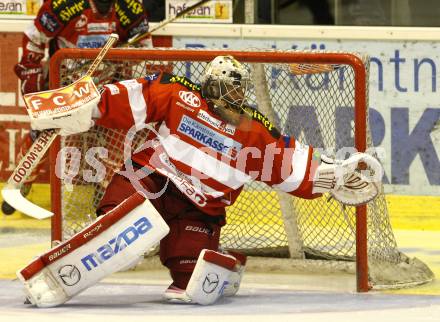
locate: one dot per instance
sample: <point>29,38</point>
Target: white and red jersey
<point>78,24</point>
<point>207,159</point>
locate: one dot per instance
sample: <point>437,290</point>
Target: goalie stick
<point>11,192</point>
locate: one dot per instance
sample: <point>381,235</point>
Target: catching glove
<point>345,182</point>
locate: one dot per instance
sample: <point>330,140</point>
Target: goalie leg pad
<point>101,249</point>
<point>237,274</point>
<point>210,277</point>
<point>178,295</point>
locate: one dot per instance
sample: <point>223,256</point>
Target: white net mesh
<point>316,107</point>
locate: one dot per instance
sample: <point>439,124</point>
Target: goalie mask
<point>225,84</point>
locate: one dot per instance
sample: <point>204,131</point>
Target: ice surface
<point>140,302</point>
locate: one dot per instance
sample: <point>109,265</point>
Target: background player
<point>70,24</point>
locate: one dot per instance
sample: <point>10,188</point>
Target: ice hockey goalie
<point>205,145</point>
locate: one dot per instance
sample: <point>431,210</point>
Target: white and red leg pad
<point>104,247</point>
<point>210,277</point>
<point>236,275</point>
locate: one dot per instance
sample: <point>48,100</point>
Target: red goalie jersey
<point>207,159</point>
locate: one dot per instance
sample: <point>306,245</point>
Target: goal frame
<point>360,115</point>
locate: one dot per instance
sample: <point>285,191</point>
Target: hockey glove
<point>31,76</point>
<point>69,108</point>
<point>345,182</point>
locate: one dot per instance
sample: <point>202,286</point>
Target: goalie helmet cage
<point>320,98</point>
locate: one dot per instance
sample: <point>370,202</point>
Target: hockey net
<point>319,98</point>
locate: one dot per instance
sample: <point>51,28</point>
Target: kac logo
<point>190,98</point>
<point>69,274</point>
<point>210,283</point>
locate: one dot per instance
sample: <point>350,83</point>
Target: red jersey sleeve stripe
<point>300,163</point>
<point>136,101</point>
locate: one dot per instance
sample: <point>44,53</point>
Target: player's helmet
<point>226,83</point>
<point>103,6</point>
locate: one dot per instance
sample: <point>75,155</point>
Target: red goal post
<point>328,68</point>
